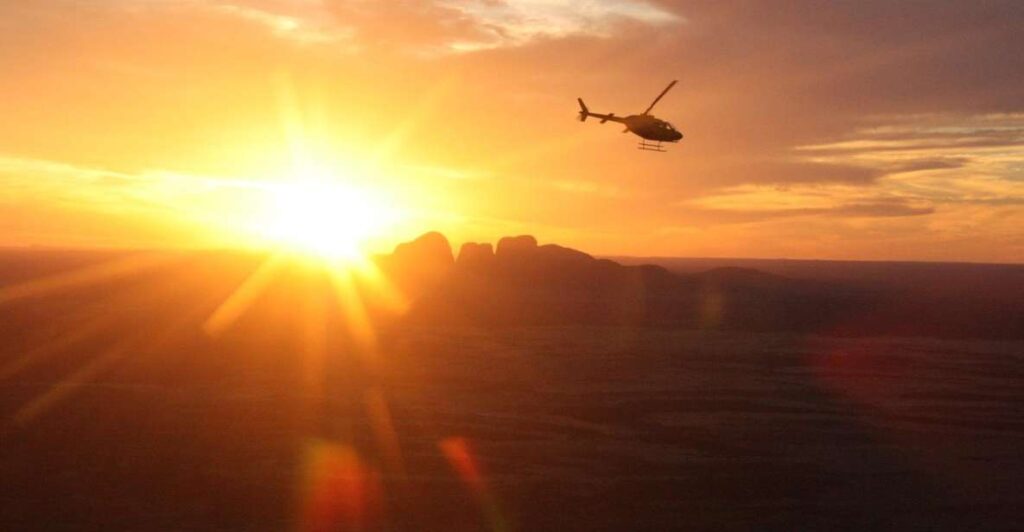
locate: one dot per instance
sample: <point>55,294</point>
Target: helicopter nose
<point>678,135</point>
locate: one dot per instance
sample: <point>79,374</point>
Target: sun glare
<point>326,219</point>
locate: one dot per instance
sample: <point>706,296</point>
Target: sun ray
<point>382,292</point>
<point>42,352</point>
<point>75,328</point>
<point>314,340</point>
<point>87,275</point>
<point>67,386</point>
<point>243,297</point>
<point>356,318</point>
<point>384,430</point>
<point>70,384</point>
<point>428,104</point>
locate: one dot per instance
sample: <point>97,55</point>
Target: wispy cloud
<point>304,22</point>
<point>942,159</point>
<point>941,184</point>
<point>919,163</point>
<point>433,27</point>
<point>114,204</point>
<point>914,136</point>
<point>518,22</point>
<point>765,201</point>
<point>594,188</point>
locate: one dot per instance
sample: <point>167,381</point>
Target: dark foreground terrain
<point>119,411</point>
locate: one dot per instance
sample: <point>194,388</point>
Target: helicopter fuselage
<point>644,126</point>
<point>651,128</point>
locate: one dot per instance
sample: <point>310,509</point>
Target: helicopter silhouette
<point>652,131</point>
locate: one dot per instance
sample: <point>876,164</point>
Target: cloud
<point>305,22</point>
<point>747,203</point>
<point>908,166</point>
<point>940,158</point>
<point>797,170</point>
<point>587,187</point>
<point>118,207</point>
<point>881,208</point>
<point>433,27</point>
<point>930,164</point>
<point>455,25</point>
<point>453,174</point>
<point>917,135</point>
<point>519,22</point>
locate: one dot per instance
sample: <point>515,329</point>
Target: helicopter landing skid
<point>650,146</point>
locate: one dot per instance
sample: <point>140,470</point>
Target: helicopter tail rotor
<point>584,112</point>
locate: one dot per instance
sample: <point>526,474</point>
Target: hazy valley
<point>122,410</point>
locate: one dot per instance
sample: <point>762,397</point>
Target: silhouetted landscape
<point>520,283</point>
<point>589,394</point>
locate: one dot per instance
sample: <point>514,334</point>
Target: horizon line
<point>262,249</point>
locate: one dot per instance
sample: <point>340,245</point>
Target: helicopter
<point>652,131</point>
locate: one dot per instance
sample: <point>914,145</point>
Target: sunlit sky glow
<point>869,130</point>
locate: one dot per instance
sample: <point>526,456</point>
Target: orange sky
<point>873,130</point>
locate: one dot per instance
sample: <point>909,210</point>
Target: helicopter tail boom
<point>584,112</point>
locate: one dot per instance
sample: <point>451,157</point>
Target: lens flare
<point>340,491</point>
<point>457,451</point>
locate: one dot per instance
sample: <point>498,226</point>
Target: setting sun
<point>326,219</point>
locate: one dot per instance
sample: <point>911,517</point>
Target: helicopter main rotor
<point>670,85</point>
